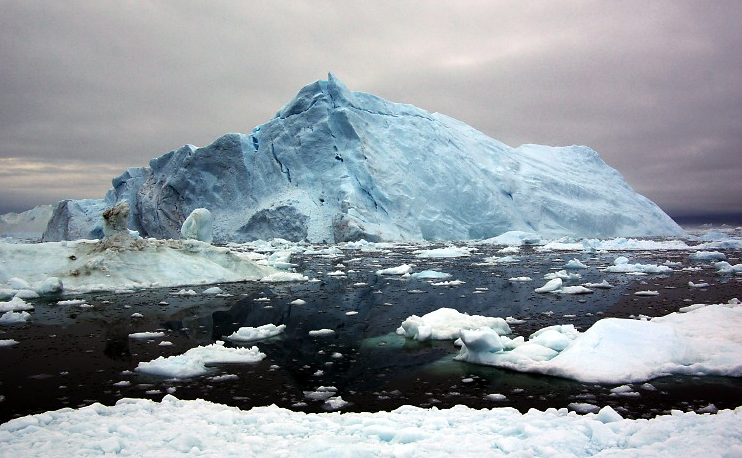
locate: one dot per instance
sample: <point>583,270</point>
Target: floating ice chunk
<point>573,290</point>
<point>16,304</point>
<point>49,285</point>
<point>447,252</point>
<point>214,290</point>
<point>551,285</point>
<point>399,270</point>
<point>194,362</point>
<point>447,323</point>
<point>583,407</point>
<point>351,313</point>
<point>298,302</point>
<point>698,285</point>
<point>647,293</point>
<point>520,279</point>
<point>608,415</point>
<point>26,294</point>
<point>724,268</point>
<point>430,275</point>
<point>603,285</point>
<point>321,332</point>
<point>496,397</point>
<point>564,275</point>
<point>281,277</point>
<point>500,260</point>
<point>185,292</point>
<point>621,265</point>
<point>322,393</point>
<point>336,273</point>
<point>250,334</point>
<point>8,342</point>
<point>198,226</point>
<point>14,317</point>
<point>147,335</point>
<point>448,283</point>
<point>708,256</point>
<point>335,403</point>
<point>575,264</point>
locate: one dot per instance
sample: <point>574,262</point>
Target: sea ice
<point>194,362</point>
<point>447,323</point>
<point>250,334</point>
<point>700,341</point>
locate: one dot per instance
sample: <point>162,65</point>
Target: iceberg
<point>335,165</point>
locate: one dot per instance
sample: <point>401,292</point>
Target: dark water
<point>69,357</point>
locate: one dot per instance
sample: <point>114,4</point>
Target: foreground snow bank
<point>139,427</point>
<point>130,263</point>
<point>704,341</point>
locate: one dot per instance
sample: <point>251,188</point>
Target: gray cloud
<point>653,87</point>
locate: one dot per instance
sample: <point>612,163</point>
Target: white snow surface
<point>704,341</point>
<point>173,427</point>
<point>125,263</point>
<point>447,323</point>
<point>194,362</point>
<point>335,165</point>
<point>251,334</point>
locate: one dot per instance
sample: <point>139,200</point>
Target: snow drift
<point>335,165</point>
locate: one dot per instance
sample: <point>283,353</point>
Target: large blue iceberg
<point>335,165</point>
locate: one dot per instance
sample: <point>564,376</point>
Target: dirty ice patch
<point>703,341</point>
<point>251,334</point>
<point>194,362</point>
<point>447,323</point>
<point>173,427</point>
<point>125,263</point>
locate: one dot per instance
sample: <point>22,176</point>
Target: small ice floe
<point>336,273</point>
<point>16,304</point>
<point>624,390</point>
<point>564,275</point>
<point>519,279</point>
<point>223,378</point>
<point>262,299</point>
<point>573,290</point>
<point>399,270</point>
<point>351,313</point>
<point>147,335</point>
<point>185,292</point>
<point>213,291</point>
<point>430,275</point>
<point>71,302</point>
<point>500,260</point>
<point>448,283</point>
<point>322,393</point>
<point>701,284</point>
<point>14,317</point>
<point>165,343</point>
<point>251,334</point>
<point>602,285</point>
<point>708,256</point>
<point>647,293</point>
<point>8,342</point>
<point>551,285</point>
<point>447,252</point>
<point>575,264</point>
<point>496,397</point>
<point>583,407</point>
<point>298,302</point>
<point>321,332</point>
<point>724,268</point>
<point>194,362</point>
<point>621,265</point>
<point>447,324</point>
<point>136,315</point>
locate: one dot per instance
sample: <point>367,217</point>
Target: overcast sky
<point>88,88</point>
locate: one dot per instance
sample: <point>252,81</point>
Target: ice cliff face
<point>335,165</point>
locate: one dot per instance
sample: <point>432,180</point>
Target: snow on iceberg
<point>702,341</point>
<point>194,362</point>
<point>447,323</point>
<point>173,427</point>
<point>352,166</point>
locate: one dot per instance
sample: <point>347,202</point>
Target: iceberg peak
<point>335,165</point>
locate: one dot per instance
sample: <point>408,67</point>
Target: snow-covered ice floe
<point>95,265</point>
<point>621,265</point>
<point>447,323</point>
<point>704,341</point>
<point>173,427</point>
<point>251,334</point>
<point>194,362</point>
